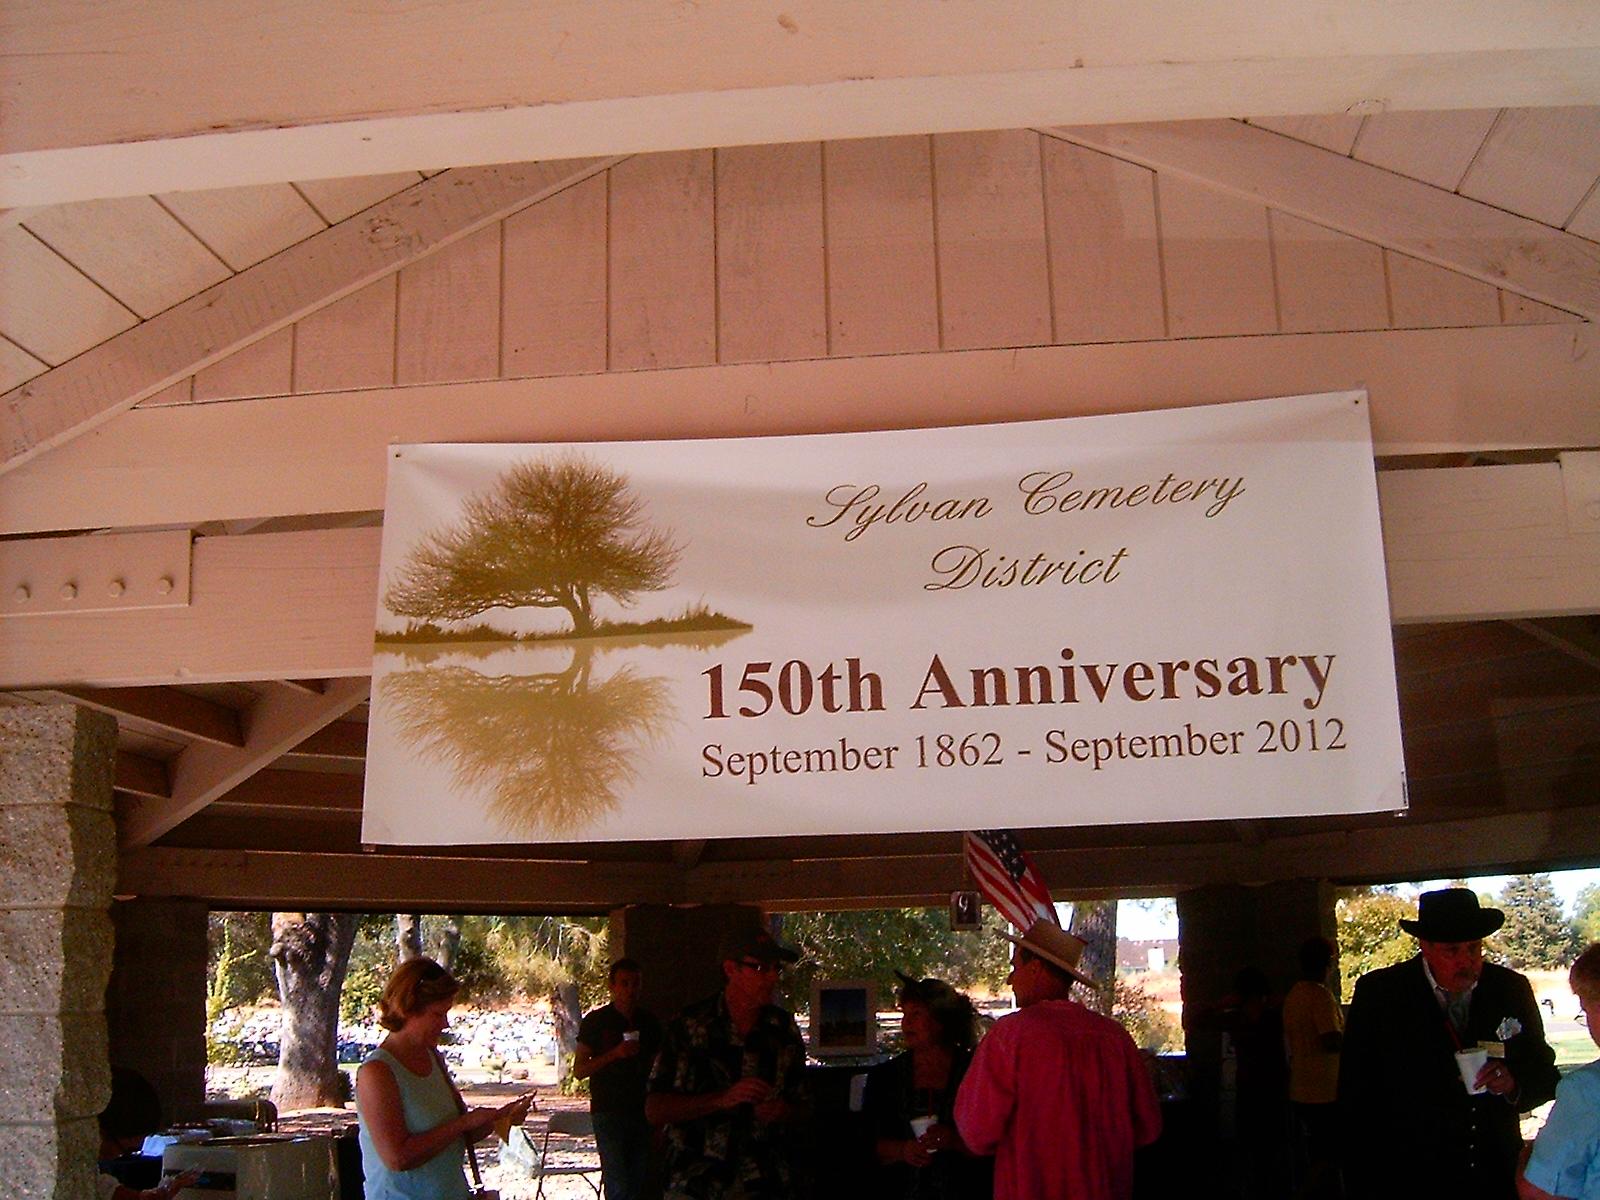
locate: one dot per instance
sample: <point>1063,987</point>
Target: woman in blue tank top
<point>414,1126</point>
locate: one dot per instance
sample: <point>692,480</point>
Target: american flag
<point>1007,877</point>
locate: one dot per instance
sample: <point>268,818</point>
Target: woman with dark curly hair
<point>414,1125</point>
<point>910,1099</point>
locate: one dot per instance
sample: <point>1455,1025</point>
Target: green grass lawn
<point>1574,1049</point>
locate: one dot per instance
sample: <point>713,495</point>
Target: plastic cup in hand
<point>921,1125</point>
<point>1471,1062</point>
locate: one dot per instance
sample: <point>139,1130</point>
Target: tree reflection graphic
<point>552,750</point>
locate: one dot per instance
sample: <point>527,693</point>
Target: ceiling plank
<point>276,723</point>
<point>1576,637</point>
<point>304,90</point>
<point>96,385</point>
<point>165,708</point>
<point>346,740</point>
<point>295,792</point>
<point>141,776</point>
<point>1467,544</point>
<point>1451,231</point>
<point>1431,390</point>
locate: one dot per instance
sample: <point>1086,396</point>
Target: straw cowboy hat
<point>1054,944</point>
<point>1452,915</point>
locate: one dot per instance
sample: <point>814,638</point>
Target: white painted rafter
<point>303,89</point>
<point>1432,391</point>
<point>1367,202</point>
<point>115,375</point>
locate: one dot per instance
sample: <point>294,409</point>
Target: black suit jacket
<point>1411,1129</point>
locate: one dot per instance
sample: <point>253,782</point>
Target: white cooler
<point>264,1167</point>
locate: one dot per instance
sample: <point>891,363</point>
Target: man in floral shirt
<point>728,1082</point>
<point>1412,1125</point>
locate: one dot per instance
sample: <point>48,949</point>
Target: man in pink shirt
<point>1057,1093</point>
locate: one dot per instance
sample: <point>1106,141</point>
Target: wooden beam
<point>1468,544</point>
<point>1567,837</point>
<point>382,882</point>
<point>201,773</point>
<point>1431,391</point>
<point>115,375</point>
<point>163,709</point>
<point>309,90</point>
<point>236,628</point>
<point>1367,202</point>
<point>688,852</point>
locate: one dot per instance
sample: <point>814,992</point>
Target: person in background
<point>617,1043</point>
<point>728,1081</point>
<point>1565,1161</point>
<point>1313,1031</point>
<point>911,1100</point>
<point>1059,1094</point>
<point>1253,1023</point>
<point>415,1128</point>
<point>132,1114</point>
<point>1410,1124</point>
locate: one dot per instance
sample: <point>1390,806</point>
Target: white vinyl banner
<point>1162,616</point>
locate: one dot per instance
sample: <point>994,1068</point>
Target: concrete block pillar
<point>676,948</point>
<point>156,1004</point>
<point>58,865</point>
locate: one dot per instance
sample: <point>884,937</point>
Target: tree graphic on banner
<point>547,535</point>
<point>552,750</point>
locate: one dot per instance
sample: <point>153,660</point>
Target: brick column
<point>156,1005</point>
<point>58,863</point>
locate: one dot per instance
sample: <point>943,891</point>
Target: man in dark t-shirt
<point>616,1045</point>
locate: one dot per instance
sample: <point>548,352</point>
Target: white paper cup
<point>1471,1062</point>
<point>921,1125</point>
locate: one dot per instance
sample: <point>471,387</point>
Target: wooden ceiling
<point>224,295</point>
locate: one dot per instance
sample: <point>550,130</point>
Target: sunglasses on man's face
<point>764,968</point>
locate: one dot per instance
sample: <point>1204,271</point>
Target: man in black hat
<point>1414,1123</point>
<point>728,1080</point>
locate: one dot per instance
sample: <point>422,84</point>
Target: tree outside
<point>1586,916</point>
<point>1369,932</point>
<point>310,953</point>
<point>239,970</point>
<point>874,943</point>
<point>1095,921</point>
<point>1536,935</point>
<point>554,535</point>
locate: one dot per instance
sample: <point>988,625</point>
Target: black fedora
<point>1452,915</point>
